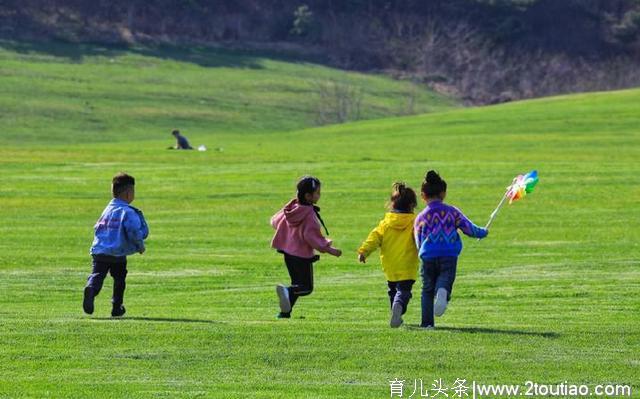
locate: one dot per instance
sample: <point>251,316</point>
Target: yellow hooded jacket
<point>398,253</point>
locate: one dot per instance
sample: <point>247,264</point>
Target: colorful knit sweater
<point>436,230</point>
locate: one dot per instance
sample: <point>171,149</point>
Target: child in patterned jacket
<point>439,245</point>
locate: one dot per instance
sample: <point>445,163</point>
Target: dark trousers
<point>400,292</point>
<point>301,273</point>
<point>436,273</point>
<point>102,265</point>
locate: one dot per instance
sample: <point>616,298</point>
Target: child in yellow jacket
<point>398,253</point>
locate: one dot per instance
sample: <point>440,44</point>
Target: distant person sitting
<point>181,142</point>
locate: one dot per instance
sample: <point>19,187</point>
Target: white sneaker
<point>396,315</point>
<point>283,295</point>
<point>441,302</point>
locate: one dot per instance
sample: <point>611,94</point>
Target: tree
<point>302,21</point>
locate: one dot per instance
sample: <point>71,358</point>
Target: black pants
<point>400,291</point>
<point>117,266</point>
<point>301,273</point>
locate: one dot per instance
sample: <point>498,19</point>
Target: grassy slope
<point>92,93</point>
<point>550,296</point>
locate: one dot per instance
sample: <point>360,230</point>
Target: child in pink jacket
<point>297,236</point>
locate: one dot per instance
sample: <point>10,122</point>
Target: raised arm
<point>468,227</point>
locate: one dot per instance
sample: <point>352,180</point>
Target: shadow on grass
<point>158,319</point>
<point>483,330</point>
<point>205,56</point>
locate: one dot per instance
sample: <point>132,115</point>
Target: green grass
<point>89,93</point>
<point>550,296</point>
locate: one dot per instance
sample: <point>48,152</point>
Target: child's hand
<point>335,252</point>
<point>485,236</point>
<point>141,251</point>
<point>362,258</point>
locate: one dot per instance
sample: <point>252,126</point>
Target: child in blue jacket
<point>120,231</point>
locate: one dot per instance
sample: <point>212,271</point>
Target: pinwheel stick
<point>495,211</point>
<point>500,204</point>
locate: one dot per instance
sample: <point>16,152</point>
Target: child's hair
<point>433,185</point>
<point>121,183</point>
<point>175,132</point>
<point>403,198</point>
<point>306,185</point>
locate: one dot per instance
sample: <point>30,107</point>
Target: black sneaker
<point>87,301</point>
<point>118,311</point>
<point>283,315</point>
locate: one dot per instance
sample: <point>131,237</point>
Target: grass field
<point>101,94</point>
<point>551,296</point>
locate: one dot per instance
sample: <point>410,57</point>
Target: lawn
<point>550,296</point>
<point>59,92</point>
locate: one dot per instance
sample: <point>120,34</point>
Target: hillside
<point>480,51</point>
<point>89,93</point>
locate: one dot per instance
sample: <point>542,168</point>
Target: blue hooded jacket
<point>120,231</point>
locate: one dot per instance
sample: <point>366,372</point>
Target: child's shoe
<point>440,304</point>
<point>283,295</point>
<point>87,301</point>
<point>118,311</point>
<point>283,315</point>
<point>396,315</point>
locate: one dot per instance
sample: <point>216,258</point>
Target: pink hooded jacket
<point>298,231</point>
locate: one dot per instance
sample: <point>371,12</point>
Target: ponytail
<point>402,198</point>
